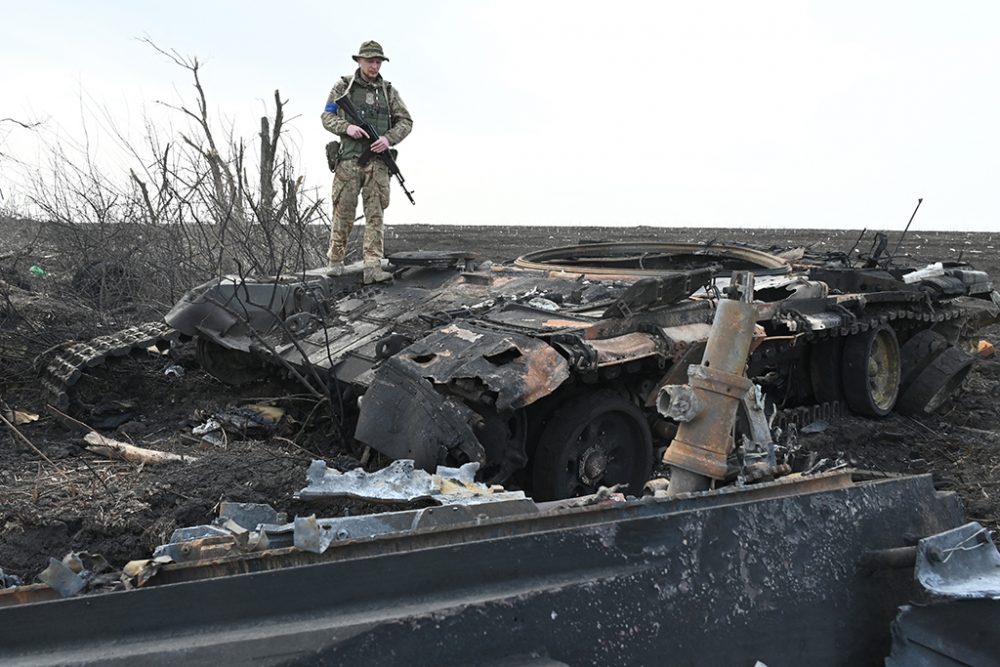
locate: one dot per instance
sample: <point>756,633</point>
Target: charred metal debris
<point>567,374</point>
<point>550,372</point>
<point>588,581</point>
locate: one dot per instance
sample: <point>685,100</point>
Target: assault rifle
<point>388,156</point>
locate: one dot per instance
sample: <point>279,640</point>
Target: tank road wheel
<point>599,439</point>
<point>871,371</point>
<point>934,384</point>
<point>232,367</point>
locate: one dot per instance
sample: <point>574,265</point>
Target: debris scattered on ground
<point>125,511</point>
<point>9,580</point>
<point>21,418</point>
<point>174,370</point>
<point>254,420</point>
<point>78,572</point>
<point>818,426</point>
<point>400,481</point>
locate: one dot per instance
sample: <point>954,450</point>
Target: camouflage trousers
<point>372,183</point>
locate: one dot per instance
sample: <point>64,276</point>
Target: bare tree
<point>193,203</point>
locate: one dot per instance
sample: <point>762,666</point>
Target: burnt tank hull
<point>448,365</point>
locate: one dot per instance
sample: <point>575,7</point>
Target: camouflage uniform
<point>379,103</point>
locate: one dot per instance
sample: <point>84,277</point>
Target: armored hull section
<point>452,363</point>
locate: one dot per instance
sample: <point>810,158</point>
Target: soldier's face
<point>370,67</point>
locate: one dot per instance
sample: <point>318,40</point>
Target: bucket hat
<point>370,49</point>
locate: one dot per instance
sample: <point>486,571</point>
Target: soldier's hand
<point>355,132</point>
<point>380,145</point>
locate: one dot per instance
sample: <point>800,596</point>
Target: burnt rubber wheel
<point>825,370</point>
<point>871,371</point>
<point>232,367</point>
<point>917,353</point>
<point>936,383</point>
<point>595,440</point>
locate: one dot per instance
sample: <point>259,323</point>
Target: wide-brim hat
<point>370,49</point>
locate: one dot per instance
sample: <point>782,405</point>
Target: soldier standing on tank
<point>379,103</point>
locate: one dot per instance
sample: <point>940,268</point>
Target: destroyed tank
<point>547,371</point>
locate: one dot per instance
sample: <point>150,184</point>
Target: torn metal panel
<point>403,417</point>
<point>518,369</point>
<point>62,579</point>
<point>397,482</point>
<point>197,532</point>
<point>250,515</point>
<point>317,535</point>
<point>962,563</point>
<point>400,481</point>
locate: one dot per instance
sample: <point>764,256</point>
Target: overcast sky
<point>747,114</point>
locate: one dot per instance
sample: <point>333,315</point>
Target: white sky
<point>746,114</point>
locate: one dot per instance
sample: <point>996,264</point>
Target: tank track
<point>898,317</point>
<point>65,369</point>
<point>905,316</point>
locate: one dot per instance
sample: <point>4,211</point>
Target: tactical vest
<point>371,101</point>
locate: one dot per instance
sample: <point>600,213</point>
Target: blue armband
<point>331,107</point>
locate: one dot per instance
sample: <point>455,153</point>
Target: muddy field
<point>56,497</point>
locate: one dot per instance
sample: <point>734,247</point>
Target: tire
<point>232,367</point>
<point>598,439</point>
<point>871,371</point>
<point>936,383</point>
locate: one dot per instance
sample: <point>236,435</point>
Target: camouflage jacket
<point>377,101</point>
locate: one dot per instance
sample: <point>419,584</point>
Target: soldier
<point>378,102</point>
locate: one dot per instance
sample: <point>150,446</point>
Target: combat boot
<point>335,268</point>
<point>374,272</point>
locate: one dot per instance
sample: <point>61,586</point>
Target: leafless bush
<point>193,204</point>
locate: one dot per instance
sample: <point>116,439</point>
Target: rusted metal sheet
<point>27,593</point>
